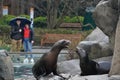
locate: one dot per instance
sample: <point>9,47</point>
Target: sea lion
<point>1,78</point>
<point>90,67</point>
<point>48,62</point>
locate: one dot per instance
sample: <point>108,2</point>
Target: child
<point>28,41</point>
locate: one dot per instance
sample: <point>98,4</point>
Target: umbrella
<point>22,19</point>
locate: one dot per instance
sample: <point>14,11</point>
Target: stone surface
<point>97,35</point>
<point>106,18</point>
<point>96,44</point>
<point>115,69</point>
<point>6,66</point>
<point>71,66</point>
<point>95,77</point>
<point>78,77</point>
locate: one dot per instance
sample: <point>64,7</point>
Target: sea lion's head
<point>63,43</point>
<point>81,52</point>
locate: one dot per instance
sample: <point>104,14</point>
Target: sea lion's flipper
<point>62,77</point>
<point>55,73</point>
<point>38,78</point>
<point>54,70</point>
<point>42,70</point>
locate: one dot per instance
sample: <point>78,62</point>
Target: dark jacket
<point>31,35</point>
<point>15,34</point>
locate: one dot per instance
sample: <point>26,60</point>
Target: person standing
<point>16,36</point>
<point>28,41</point>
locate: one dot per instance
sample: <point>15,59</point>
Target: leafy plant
<point>40,22</point>
<point>26,16</point>
<point>5,29</point>
<point>75,19</point>
<point>6,19</point>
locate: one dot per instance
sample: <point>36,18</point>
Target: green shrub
<point>26,16</point>
<point>39,31</point>
<point>67,19</point>
<point>4,36</point>
<point>5,29</point>
<point>6,47</point>
<point>75,19</point>
<point>6,19</point>
<point>40,22</point>
<point>81,19</point>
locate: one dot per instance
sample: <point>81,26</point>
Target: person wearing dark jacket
<point>27,40</point>
<point>16,36</point>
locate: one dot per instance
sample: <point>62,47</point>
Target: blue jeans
<point>27,46</point>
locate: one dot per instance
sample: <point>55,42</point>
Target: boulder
<point>6,66</point>
<point>96,44</point>
<point>115,68</point>
<point>97,35</point>
<point>106,18</point>
<point>71,66</point>
<point>95,49</point>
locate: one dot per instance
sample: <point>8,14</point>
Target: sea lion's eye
<point>76,51</point>
<point>63,42</point>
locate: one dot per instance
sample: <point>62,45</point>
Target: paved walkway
<point>45,50</point>
<point>37,52</point>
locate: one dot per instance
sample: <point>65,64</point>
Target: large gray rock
<point>96,44</point>
<point>115,68</point>
<point>6,66</point>
<point>98,36</point>
<point>95,49</point>
<point>106,18</point>
<point>71,66</point>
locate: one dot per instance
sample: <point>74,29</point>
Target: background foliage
<point>41,21</point>
<point>39,28</point>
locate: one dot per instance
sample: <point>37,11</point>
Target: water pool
<point>22,70</point>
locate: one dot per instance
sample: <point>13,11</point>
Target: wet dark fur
<point>90,67</point>
<point>48,62</point>
<point>1,78</point>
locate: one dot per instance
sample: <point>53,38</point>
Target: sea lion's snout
<point>68,42</point>
<point>63,43</point>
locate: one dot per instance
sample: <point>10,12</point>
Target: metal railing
<point>30,53</point>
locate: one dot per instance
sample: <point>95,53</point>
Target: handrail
<point>30,53</point>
